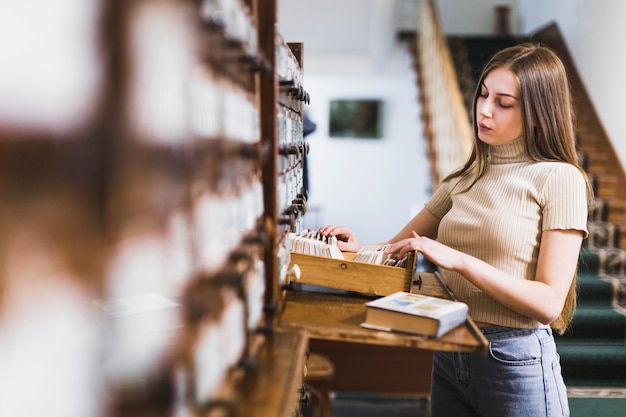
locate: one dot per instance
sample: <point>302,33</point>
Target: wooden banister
<point>446,126</point>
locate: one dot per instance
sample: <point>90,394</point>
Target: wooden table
<point>371,360</point>
<point>333,316</point>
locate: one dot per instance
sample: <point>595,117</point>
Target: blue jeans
<point>520,376</point>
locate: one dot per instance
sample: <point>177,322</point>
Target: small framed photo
<point>356,118</point>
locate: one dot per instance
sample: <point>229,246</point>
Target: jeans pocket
<point>516,351</point>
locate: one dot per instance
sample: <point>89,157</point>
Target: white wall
<point>372,185</point>
<point>594,32</point>
<point>474,17</point>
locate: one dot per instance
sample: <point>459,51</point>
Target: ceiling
<point>348,27</point>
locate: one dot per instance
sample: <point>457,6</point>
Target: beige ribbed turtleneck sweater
<point>501,218</point>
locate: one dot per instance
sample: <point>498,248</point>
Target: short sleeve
<point>565,200</point>
<point>440,202</point>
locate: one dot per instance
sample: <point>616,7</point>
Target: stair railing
<point>447,129</point>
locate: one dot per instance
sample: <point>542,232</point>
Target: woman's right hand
<point>346,241</point>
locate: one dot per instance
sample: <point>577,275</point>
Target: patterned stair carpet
<point>593,350</point>
<point>597,402</point>
<point>582,402</point>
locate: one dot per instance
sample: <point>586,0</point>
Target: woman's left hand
<point>441,255</point>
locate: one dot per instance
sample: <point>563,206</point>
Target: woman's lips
<point>483,128</point>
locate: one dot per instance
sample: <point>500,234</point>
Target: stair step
<point>588,262</point>
<point>593,364</point>
<point>596,155</point>
<point>603,234</point>
<point>616,205</point>
<point>597,324</point>
<point>593,291</point>
<point>601,260</point>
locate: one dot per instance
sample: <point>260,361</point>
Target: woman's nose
<point>485,108</point>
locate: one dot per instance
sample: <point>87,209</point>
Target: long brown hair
<point>548,123</point>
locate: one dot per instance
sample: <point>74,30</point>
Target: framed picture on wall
<point>356,118</point>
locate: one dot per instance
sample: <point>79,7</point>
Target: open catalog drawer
<point>328,301</point>
<point>349,275</point>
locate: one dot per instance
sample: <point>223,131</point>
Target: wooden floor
<point>346,405</point>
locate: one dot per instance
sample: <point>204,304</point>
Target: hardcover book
<point>414,313</point>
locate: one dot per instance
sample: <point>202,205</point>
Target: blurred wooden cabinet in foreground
<point>140,153</point>
<point>151,161</point>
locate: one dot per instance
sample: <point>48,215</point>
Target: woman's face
<point>498,110</point>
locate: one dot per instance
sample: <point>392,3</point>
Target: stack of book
<point>414,313</point>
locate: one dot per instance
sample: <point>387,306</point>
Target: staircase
<point>593,350</point>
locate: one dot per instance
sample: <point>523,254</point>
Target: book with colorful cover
<point>414,313</point>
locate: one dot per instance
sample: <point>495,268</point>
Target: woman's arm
<point>541,299</point>
<point>424,223</point>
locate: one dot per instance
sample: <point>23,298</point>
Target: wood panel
<point>378,369</point>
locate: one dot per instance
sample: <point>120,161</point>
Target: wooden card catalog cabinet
<point>132,210</point>
<point>187,215</point>
<point>135,229</point>
<point>291,194</point>
<point>52,246</point>
<point>222,348</point>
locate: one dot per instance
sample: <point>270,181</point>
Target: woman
<point>507,228</point>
